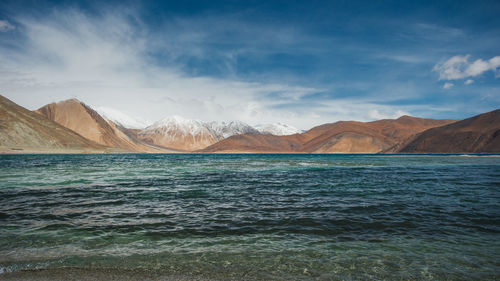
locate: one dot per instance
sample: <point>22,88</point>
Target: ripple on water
<point>254,216</point>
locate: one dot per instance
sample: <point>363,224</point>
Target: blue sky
<point>299,62</point>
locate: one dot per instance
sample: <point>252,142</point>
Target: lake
<point>251,217</point>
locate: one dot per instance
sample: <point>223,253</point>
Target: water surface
<point>278,217</point>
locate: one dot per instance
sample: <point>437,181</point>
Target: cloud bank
<point>459,67</point>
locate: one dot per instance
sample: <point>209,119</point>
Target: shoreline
<point>85,152</point>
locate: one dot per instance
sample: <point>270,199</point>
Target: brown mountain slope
<point>82,119</point>
<point>257,143</point>
<point>22,130</point>
<point>339,137</point>
<point>406,126</point>
<point>366,137</point>
<point>478,134</point>
<point>347,137</point>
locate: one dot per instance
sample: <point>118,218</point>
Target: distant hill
<point>258,143</point>
<point>79,117</point>
<point>339,137</point>
<point>22,130</point>
<point>478,134</point>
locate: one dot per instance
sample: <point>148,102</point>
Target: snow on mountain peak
<point>218,130</point>
<point>277,129</point>
<point>121,118</point>
<point>176,120</point>
<point>222,130</point>
<point>176,124</point>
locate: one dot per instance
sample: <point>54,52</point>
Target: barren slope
<point>22,130</point>
<point>257,143</point>
<point>366,137</point>
<point>478,134</point>
<point>82,119</point>
<point>339,137</point>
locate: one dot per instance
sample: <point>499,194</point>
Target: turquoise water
<point>279,217</point>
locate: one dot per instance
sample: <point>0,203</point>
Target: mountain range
<point>112,128</point>
<point>339,137</point>
<point>73,126</point>
<point>188,134</point>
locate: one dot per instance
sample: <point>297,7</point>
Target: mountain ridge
<point>478,134</point>
<point>24,131</point>
<point>338,137</point>
<point>81,118</point>
<point>191,134</point>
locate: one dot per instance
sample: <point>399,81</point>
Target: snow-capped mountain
<point>190,134</point>
<point>223,130</point>
<point>121,118</point>
<point>180,124</point>
<point>277,129</point>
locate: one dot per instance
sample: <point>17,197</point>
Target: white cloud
<point>447,85</point>
<point>459,67</point>
<point>403,58</point>
<point>434,31</point>
<point>469,81</point>
<point>5,26</point>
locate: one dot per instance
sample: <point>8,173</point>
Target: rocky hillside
<point>479,134</point>
<point>339,137</point>
<point>81,118</point>
<point>22,131</point>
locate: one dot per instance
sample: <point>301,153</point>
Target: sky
<point>303,63</point>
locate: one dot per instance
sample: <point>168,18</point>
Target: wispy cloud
<point>220,65</point>
<point>437,31</point>
<point>468,82</point>
<point>107,61</point>
<point>5,26</point>
<point>405,58</point>
<point>459,67</point>
<point>113,60</point>
<point>448,85</point>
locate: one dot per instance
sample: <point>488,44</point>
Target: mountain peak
<point>188,134</point>
<point>177,121</point>
<point>70,101</point>
<point>27,129</point>
<point>407,117</point>
<point>277,129</point>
